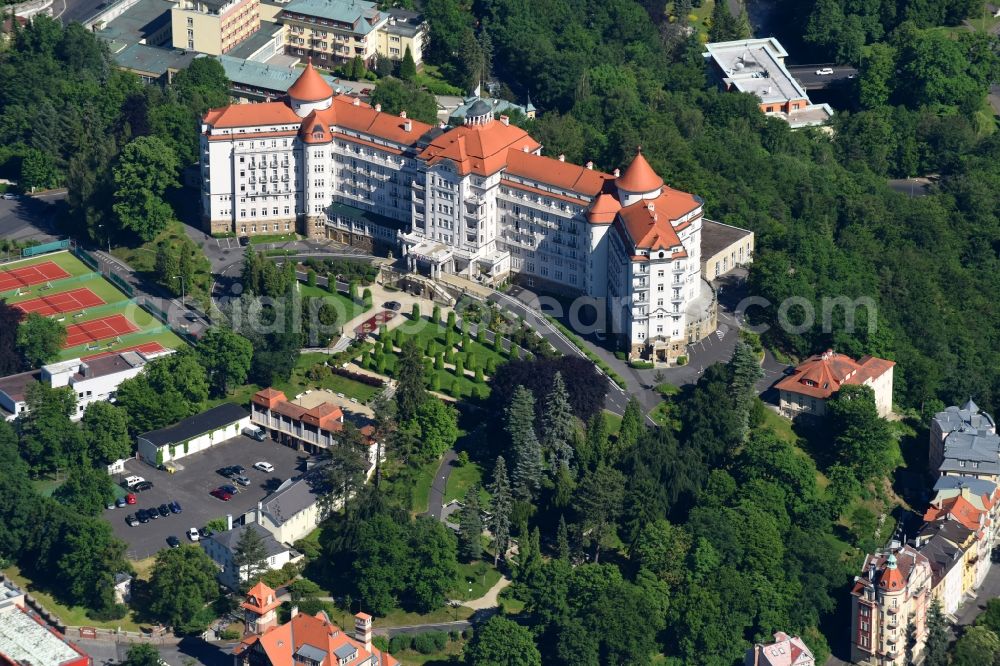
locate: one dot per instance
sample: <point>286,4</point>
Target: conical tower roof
<point>310,86</point>
<point>639,176</point>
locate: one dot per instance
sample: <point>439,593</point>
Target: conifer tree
<point>470,527</point>
<point>744,372</point>
<point>631,427</point>
<point>562,540</point>
<point>557,424</point>
<point>936,647</point>
<point>520,422</point>
<point>500,508</point>
<point>407,67</point>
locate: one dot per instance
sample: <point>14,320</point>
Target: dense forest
<point>608,78</point>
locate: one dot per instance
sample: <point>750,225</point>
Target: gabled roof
<point>955,508</point>
<point>650,222</point>
<point>261,599</point>
<point>639,176</point>
<point>229,539</point>
<point>249,115</point>
<point>310,86</point>
<point>551,171</point>
<point>314,635</point>
<point>218,417</point>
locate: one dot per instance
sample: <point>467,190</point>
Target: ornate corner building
<point>478,200</point>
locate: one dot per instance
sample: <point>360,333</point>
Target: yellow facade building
<point>213,26</point>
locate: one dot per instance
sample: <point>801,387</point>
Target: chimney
<point>357,101</point>
<point>260,511</point>
<point>363,630</point>
<point>294,612</point>
<point>505,120</point>
<point>562,157</point>
<point>408,126</point>
<point>402,114</point>
<point>229,521</point>
<point>378,108</point>
<point>526,149</point>
<point>618,172</point>
<point>590,165</point>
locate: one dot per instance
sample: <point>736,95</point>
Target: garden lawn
<point>463,478</point>
<point>273,238</point>
<point>612,422</point>
<point>346,308</point>
<point>64,259</point>
<point>483,577</point>
<point>782,428</point>
<point>73,616</point>
<point>422,488</point>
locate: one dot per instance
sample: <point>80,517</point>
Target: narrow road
<point>435,500</point>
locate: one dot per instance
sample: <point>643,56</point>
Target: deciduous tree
<point>39,339</point>
<point>502,642</point>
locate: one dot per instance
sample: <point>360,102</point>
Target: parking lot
<point>191,485</point>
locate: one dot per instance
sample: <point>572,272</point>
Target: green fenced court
<point>64,260</point>
<point>92,281</point>
<point>160,334</point>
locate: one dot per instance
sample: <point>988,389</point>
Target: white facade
<point>191,435</point>
<point>221,548</point>
<point>478,200</point>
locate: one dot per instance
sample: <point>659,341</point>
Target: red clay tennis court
<point>147,348</point>
<point>67,301</point>
<point>98,329</point>
<point>29,275</point>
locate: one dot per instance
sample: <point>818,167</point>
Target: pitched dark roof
<point>230,538</point>
<point>192,426</point>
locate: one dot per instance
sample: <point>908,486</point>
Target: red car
<point>221,494</point>
<point>130,498</point>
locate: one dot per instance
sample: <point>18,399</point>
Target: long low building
<point>193,434</point>
<point>92,380</point>
<point>26,640</point>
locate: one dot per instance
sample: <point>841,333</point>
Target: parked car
<point>142,486</point>
<point>130,498</point>
<point>175,506</point>
<point>395,306</point>
<point>205,532</point>
<point>133,480</point>
<point>173,541</point>
<point>221,494</point>
<point>824,71</point>
<point>263,466</point>
<point>192,534</point>
<point>142,515</point>
<point>120,502</point>
<point>253,432</point>
<point>224,471</point>
<point>164,510</point>
<point>9,196</point>
<point>239,469</point>
<point>241,480</point>
<point>231,489</point>
<point>366,91</point>
<point>111,505</point>
<point>244,240</point>
<point>131,520</point>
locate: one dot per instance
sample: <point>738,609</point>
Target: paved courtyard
<point>190,487</point>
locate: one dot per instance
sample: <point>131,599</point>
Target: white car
<point>9,196</point>
<point>824,71</point>
<point>264,466</point>
<point>132,480</point>
<point>193,534</point>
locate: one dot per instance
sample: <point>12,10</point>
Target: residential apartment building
<point>294,509</point>
<point>213,26</point>
<point>893,591</point>
<point>95,379</point>
<point>221,547</point>
<point>962,509</point>
<point>305,640</point>
<point>815,380</point>
<point>404,30</point>
<point>950,547</point>
<point>478,200</point>
<point>972,429</point>
<point>784,651</point>
<point>307,423</point>
<point>757,67</point>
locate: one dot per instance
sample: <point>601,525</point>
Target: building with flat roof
<point>757,67</point>
<point>815,380</point>
<point>152,64</point>
<point>723,248</point>
<point>213,26</point>
<point>92,380</point>
<point>254,81</point>
<point>261,46</point>
<point>26,640</point>
<point>144,22</point>
<point>193,434</point>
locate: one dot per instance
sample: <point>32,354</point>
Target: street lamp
<point>107,236</point>
<point>182,288</point>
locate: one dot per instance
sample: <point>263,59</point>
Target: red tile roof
<point>650,222</point>
<point>250,115</point>
<point>639,176</point>
<point>822,375</point>
<point>956,508</point>
<point>280,644</point>
<point>480,149</point>
<point>604,209</point>
<point>548,170</point>
<point>310,86</point>
<point>261,599</point>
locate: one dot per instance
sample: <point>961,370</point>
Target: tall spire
<point>639,177</point>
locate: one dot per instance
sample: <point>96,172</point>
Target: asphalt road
<point>808,78</point>
<point>190,487</point>
<point>28,218</point>
<point>76,10</point>
<point>203,652</point>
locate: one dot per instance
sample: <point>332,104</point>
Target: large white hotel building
<point>478,200</point>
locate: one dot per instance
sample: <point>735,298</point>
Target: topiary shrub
<point>436,313</point>
<point>682,360</point>
<point>381,643</point>
<point>424,644</point>
<point>400,642</point>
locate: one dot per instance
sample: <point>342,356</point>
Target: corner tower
<point>309,92</point>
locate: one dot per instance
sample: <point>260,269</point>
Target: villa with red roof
<point>479,200</point>
<point>784,651</point>
<point>305,640</point>
<point>815,380</point>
